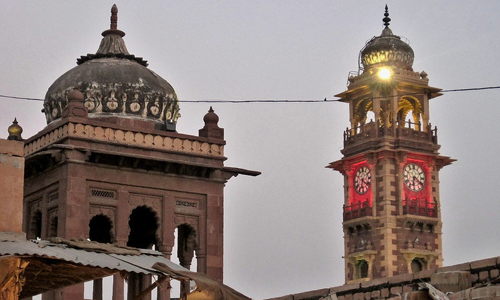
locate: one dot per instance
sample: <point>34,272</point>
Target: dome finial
<point>114,17</point>
<point>386,18</point>
<point>113,27</point>
<point>15,131</point>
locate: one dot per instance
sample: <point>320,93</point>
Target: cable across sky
<point>242,101</point>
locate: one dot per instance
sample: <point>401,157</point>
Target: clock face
<point>362,180</point>
<point>414,177</point>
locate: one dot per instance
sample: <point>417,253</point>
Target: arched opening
<point>186,243</point>
<point>417,265</point>
<point>183,253</point>
<point>361,111</point>
<point>53,227</point>
<point>100,229</point>
<point>361,269</point>
<point>143,225</point>
<point>410,113</point>
<point>35,231</point>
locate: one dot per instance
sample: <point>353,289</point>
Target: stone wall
<point>472,280</point>
<point>11,185</point>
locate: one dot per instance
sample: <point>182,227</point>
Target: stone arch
<point>362,268</point>
<point>418,264</point>
<point>100,229</point>
<point>35,230</point>
<point>186,244</point>
<point>143,225</point>
<point>361,110</point>
<point>409,104</point>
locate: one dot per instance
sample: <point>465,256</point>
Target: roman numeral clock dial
<point>362,180</point>
<point>414,177</point>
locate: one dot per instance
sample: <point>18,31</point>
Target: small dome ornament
<point>211,129</point>
<point>211,117</point>
<point>15,131</point>
<point>387,49</point>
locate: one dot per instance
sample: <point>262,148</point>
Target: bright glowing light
<point>384,73</point>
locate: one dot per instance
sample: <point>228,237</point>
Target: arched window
<point>100,229</point>
<point>417,265</point>
<point>143,224</point>
<point>186,244</point>
<point>361,269</point>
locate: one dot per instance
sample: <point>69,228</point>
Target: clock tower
<point>391,212</point>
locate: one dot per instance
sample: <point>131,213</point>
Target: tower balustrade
<point>405,130</point>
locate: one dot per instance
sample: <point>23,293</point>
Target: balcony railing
<point>357,210</point>
<point>407,130</point>
<point>419,207</point>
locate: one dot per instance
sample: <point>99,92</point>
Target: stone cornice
<point>74,129</point>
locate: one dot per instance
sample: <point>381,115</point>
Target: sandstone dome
<point>114,83</point>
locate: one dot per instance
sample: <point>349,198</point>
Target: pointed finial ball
<point>386,18</point>
<point>15,131</point>
<point>211,117</point>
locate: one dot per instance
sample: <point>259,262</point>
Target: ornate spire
<point>386,18</point>
<point>113,27</point>
<point>112,42</point>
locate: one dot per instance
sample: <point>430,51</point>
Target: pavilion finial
<point>114,17</point>
<point>113,27</point>
<point>386,18</point>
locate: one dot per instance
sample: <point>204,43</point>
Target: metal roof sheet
<point>130,263</point>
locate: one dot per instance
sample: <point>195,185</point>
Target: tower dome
<point>115,83</point>
<point>387,49</point>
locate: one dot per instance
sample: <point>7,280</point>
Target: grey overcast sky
<point>283,231</point>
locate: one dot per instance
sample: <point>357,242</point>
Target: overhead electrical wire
<point>275,100</point>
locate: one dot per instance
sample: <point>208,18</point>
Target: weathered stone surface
<point>375,282</point>
<point>311,294</point>
<point>488,263</point>
<point>11,186</point>
<point>375,294</point>
<point>401,278</point>
<point>346,287</point>
<point>396,290</point>
<point>453,281</point>
<point>418,295</point>
<point>483,275</point>
<point>359,296</point>
<point>384,293</point>
<point>486,293</point>
<point>424,274</point>
<point>459,267</point>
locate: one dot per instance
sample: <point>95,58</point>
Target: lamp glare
<point>384,73</point>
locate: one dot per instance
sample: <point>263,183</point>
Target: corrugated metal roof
<point>130,263</point>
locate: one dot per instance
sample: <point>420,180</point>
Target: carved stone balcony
<point>405,134</point>
<point>357,210</point>
<point>419,207</point>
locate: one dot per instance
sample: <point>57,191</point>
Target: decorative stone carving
<point>125,137</point>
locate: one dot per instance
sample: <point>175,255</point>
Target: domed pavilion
<point>110,167</point>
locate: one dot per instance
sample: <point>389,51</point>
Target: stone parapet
<point>180,143</point>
